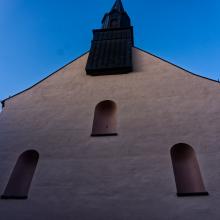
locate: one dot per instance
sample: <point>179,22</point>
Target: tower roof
<point>118,6</point>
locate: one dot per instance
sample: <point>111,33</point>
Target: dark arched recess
<point>105,122</point>
<point>186,171</point>
<point>21,177</point>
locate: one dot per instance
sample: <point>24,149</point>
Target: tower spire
<point>117,17</point>
<point>118,6</point>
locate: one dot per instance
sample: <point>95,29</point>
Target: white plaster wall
<point>124,177</point>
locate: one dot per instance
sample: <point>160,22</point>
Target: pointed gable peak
<point>118,6</point>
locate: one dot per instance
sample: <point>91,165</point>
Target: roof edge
<point>4,100</point>
<point>194,74</point>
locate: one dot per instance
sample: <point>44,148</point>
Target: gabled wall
<point>128,176</point>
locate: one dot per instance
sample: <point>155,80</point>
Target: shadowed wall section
<point>186,171</point>
<point>105,122</point>
<point>21,177</point>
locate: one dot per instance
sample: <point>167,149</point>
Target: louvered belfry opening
<point>111,48</point>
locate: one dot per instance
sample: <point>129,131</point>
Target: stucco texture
<point>124,177</point>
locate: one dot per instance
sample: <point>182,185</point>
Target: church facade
<point>117,134</point>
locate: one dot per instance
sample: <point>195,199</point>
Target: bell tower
<point>111,47</point>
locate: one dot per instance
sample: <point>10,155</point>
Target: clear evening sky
<point>39,36</point>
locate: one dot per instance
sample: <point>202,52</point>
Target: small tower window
<point>186,171</point>
<point>21,177</point>
<point>104,123</point>
<point>114,23</point>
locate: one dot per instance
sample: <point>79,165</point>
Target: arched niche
<point>186,171</point>
<point>105,122</point>
<point>20,180</point>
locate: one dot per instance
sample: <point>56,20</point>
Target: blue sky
<point>38,37</point>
